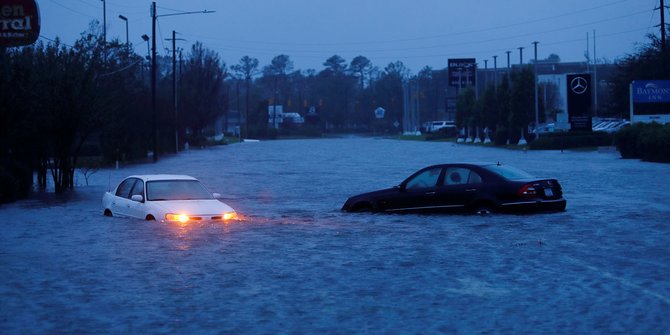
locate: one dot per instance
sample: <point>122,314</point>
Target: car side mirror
<point>137,198</point>
<point>216,195</point>
<point>400,187</point>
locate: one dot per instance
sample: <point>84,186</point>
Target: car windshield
<point>508,172</point>
<point>176,190</point>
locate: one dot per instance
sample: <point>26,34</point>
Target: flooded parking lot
<point>296,264</point>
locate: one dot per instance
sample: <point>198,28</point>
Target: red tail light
<point>527,190</point>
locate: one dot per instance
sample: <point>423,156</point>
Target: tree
<point>335,89</point>
<point>522,101</point>
<point>335,65</point>
<point>389,92</point>
<point>246,68</point>
<point>203,88</point>
<point>650,63</point>
<point>361,66</point>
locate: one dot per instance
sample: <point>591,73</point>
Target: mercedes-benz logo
<point>579,85</point>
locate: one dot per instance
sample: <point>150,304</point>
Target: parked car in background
<point>609,125</point>
<point>461,187</point>
<point>161,197</point>
<point>436,126</point>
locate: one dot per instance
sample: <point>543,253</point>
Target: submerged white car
<point>161,197</point>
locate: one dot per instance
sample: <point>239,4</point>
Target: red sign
<point>19,22</point>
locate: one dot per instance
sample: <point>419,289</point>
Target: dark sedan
<point>473,188</point>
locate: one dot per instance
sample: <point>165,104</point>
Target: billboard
<point>579,101</point>
<point>19,22</point>
<point>650,101</point>
<point>462,72</point>
<point>651,91</point>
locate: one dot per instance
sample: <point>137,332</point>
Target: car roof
<point>154,177</point>
<point>481,164</point>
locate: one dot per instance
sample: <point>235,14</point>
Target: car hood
<point>194,207</point>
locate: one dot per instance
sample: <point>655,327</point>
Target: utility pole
<point>509,74</point>
<point>104,30</point>
<point>595,76</point>
<point>520,55</point>
<point>662,9</point>
<point>153,82</point>
<point>495,72</point>
<point>174,88</point>
<point>537,111</point>
<point>486,73</point>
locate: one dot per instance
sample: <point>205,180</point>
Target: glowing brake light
<point>527,190</point>
<point>177,217</point>
<point>229,216</point>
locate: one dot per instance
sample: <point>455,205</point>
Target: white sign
<point>379,112</point>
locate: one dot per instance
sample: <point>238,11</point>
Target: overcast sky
<point>419,32</point>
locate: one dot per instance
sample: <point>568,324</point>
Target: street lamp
<point>146,39</point>
<point>155,16</point>
<point>127,43</point>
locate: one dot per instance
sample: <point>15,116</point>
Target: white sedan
<point>177,198</point>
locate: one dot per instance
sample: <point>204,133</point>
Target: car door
<point>417,193</point>
<point>461,186</point>
<point>121,204</point>
<point>137,209</point>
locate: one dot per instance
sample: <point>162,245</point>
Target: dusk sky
<point>419,33</point>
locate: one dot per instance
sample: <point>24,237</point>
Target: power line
<point>483,30</point>
<point>72,10</point>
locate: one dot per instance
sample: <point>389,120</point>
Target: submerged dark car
<point>473,188</point>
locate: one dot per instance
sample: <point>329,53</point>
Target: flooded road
<point>296,264</point>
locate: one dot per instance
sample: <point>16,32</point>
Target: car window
<point>176,190</point>
<point>459,175</point>
<point>424,179</point>
<point>138,189</point>
<point>508,172</point>
<point>475,178</point>
<point>125,187</point>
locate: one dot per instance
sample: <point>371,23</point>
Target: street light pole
<point>537,112</point>
<point>520,55</point>
<point>127,43</point>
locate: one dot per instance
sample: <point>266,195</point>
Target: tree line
<point>63,103</point>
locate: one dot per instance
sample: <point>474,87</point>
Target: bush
<point>626,141</point>
<point>15,180</point>
<point>443,133</point>
<point>570,140</point>
<point>501,136</point>
<point>647,141</point>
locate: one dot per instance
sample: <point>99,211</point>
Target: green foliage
<point>202,88</point>
<point>501,135</point>
<point>444,133</point>
<point>570,140</point>
<point>650,63</point>
<point>646,141</point>
<point>15,180</point>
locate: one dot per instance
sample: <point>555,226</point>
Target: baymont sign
<point>650,91</point>
<point>19,22</point>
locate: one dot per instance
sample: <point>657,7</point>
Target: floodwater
<point>296,264</point>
